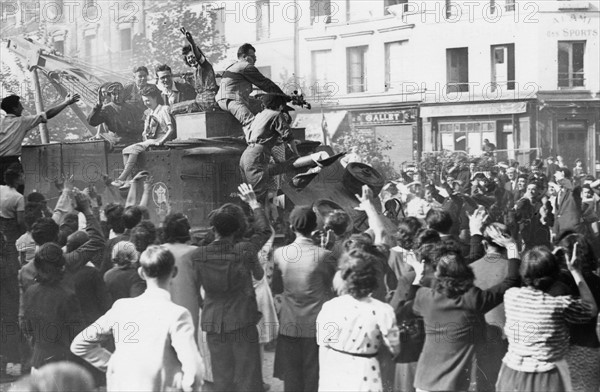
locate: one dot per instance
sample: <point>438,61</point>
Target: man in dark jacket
<point>236,86</point>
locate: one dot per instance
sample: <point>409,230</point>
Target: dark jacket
<point>224,270</point>
<point>125,120</point>
<point>185,93</point>
<point>53,318</point>
<point>568,211</point>
<point>237,81</point>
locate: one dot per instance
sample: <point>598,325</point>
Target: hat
<point>270,100</point>
<point>511,170</point>
<point>76,239</point>
<point>303,219</point>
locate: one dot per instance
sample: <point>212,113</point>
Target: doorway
<point>572,141</point>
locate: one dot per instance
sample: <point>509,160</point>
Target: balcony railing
<point>571,79</point>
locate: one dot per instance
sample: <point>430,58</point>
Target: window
<point>503,66</point>
<point>89,44</point>
<point>320,10</point>
<point>356,69</point>
<point>467,136</point>
<point>320,64</point>
<point>125,37</point>
<point>448,7</point>
<point>90,9</point>
<point>263,27</point>
<point>59,46</point>
<point>510,5</point>
<point>492,6</point>
<point>395,64</point>
<point>388,3</point>
<point>570,63</point>
<point>457,66</point>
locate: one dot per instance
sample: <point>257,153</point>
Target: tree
<point>373,151</point>
<point>16,79</point>
<point>163,41</point>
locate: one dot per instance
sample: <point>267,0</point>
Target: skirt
<point>584,365</point>
<point>510,380</point>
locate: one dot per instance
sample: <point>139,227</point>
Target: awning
<point>474,109</point>
<point>313,123</point>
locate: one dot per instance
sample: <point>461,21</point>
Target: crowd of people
<point>480,280</point>
<point>452,287</point>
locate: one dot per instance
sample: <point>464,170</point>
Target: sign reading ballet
<point>385,117</point>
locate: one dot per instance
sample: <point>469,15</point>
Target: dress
<point>348,325</point>
<point>268,325</point>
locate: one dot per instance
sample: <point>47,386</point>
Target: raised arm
<point>262,228</point>
<point>69,100</point>
<point>96,241</point>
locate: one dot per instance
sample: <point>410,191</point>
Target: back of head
<point>33,212</point>
<point>57,376</point>
<point>539,268</point>
<point>338,221</point>
<point>12,175</point>
<point>439,220</point>
<point>244,50</point>
<point>75,240</point>
<point>426,236</point>
<point>585,252</point>
<point>36,197</point>
<point>143,235</point>
<point>176,228</point>
<point>49,262</point>
<point>487,234</point>
<point>10,103</point>
<point>359,271</point>
<point>132,215</point>
<point>157,262</point>
<point>453,277</point>
<point>124,253</point>
<point>226,220</point>
<point>303,220</point>
<point>44,230</point>
<point>114,217</point>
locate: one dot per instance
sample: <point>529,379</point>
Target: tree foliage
<point>163,41</point>
<point>373,151</point>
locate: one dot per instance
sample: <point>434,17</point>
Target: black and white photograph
<point>299,195</point>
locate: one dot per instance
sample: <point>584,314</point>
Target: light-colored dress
<point>347,326</point>
<point>268,325</point>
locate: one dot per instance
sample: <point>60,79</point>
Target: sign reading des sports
<point>385,118</point>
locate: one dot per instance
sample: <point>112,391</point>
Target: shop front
<point>397,128</point>
<point>568,125</point>
<point>466,128</point>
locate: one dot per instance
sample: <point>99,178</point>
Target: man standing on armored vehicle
<point>236,86</point>
<point>205,83</point>
<point>121,118</point>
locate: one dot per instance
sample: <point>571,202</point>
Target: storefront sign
<point>385,117</point>
<point>579,26</point>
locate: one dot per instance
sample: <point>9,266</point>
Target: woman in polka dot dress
<point>352,328</point>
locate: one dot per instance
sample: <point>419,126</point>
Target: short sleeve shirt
<point>13,130</point>
<point>11,201</point>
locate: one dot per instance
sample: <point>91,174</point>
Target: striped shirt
<point>536,327</point>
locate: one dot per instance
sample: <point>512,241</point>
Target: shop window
<point>570,64</point>
<point>263,26</point>
<point>356,69</point>
<point>395,64</point>
<point>457,67</point>
<point>503,66</point>
<point>467,136</point>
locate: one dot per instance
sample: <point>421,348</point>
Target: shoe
<point>266,387</point>
<point>141,175</point>
<point>126,185</point>
<point>117,183</point>
<point>14,369</point>
<point>330,160</point>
